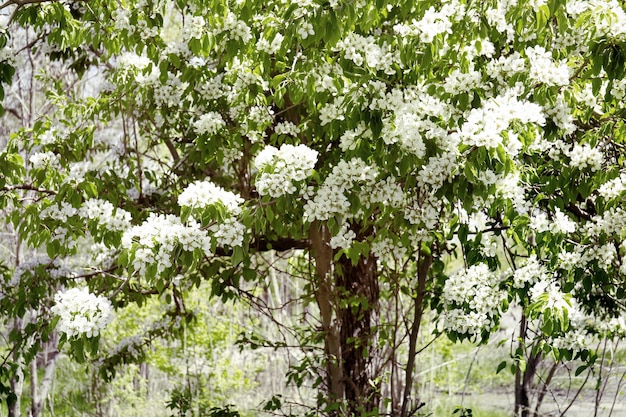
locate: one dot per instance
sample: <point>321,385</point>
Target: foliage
<point>376,139</point>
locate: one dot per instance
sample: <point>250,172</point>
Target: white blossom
<point>471,300</point>
<point>343,239</point>
<point>544,69</point>
<point>41,160</point>
<point>530,272</point>
<point>283,167</point>
<point>228,233</point>
<point>81,312</point>
<point>157,237</point>
<point>209,123</point>
<point>113,218</point>
<point>331,198</point>
<point>201,194</point>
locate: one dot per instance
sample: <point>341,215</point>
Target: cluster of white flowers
<point>41,160</point>
<point>344,238</point>
<point>509,187</point>
<point>544,69</point>
<point>241,70</point>
<point>438,170</point>
<point>489,245</point>
<point>531,272</point>
<point>48,137</point>
<point>476,222</point>
<point>113,218</point>
<point>201,194</point>
<point>619,89</point>
<point>193,28</point>
<point>605,255</point>
<point>387,192</point>
<point>506,66</point>
<point>615,326</point>
<point>559,223</point>
<point>497,18</point>
<point>561,115</point>
<point>461,82</point>
<point>550,293</point>
<point>324,78</point>
<point>585,97</point>
<point>424,212</point>
<point>281,168</point>
<point>131,345</point>
<point>121,16</point>
<point>7,55</point>
<point>236,29</point>
<point>613,188</point>
<point>569,260</point>
<point>332,111</point>
<point>351,138</point>
<point>82,313</point>
<point>484,125</point>
<point>130,60</point>
<point>209,123</point>
<point>60,213</point>
<point>573,339</point>
<point>170,94</point>
<point>539,221</point>
<point>612,221</point>
<point>228,233</point>
<point>213,87</point>
<point>286,128</point>
<point>411,108</point>
<point>471,300</point>
<point>605,18</point>
<point>433,23</point>
<point>157,238</point>
<point>388,252</point>
<point>270,47</point>
<point>100,162</point>
<point>574,39</point>
<point>405,129</point>
<point>364,50</point>
<point>261,116</point>
<point>330,198</point>
<point>584,156</point>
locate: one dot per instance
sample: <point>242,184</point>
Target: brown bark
<point>360,282</point>
<point>323,254</point>
<point>524,379</point>
<point>422,277</point>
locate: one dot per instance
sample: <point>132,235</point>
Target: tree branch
<point>263,244</point>
<point>28,187</point>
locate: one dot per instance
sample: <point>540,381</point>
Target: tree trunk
<point>40,391</point>
<point>360,282</point>
<point>524,379</point>
<point>323,254</point>
<point>17,382</point>
<point>422,278</point>
<point>347,297</point>
<point>521,392</point>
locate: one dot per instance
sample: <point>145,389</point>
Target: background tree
<point>377,138</point>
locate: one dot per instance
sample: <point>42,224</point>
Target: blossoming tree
<point>378,138</point>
